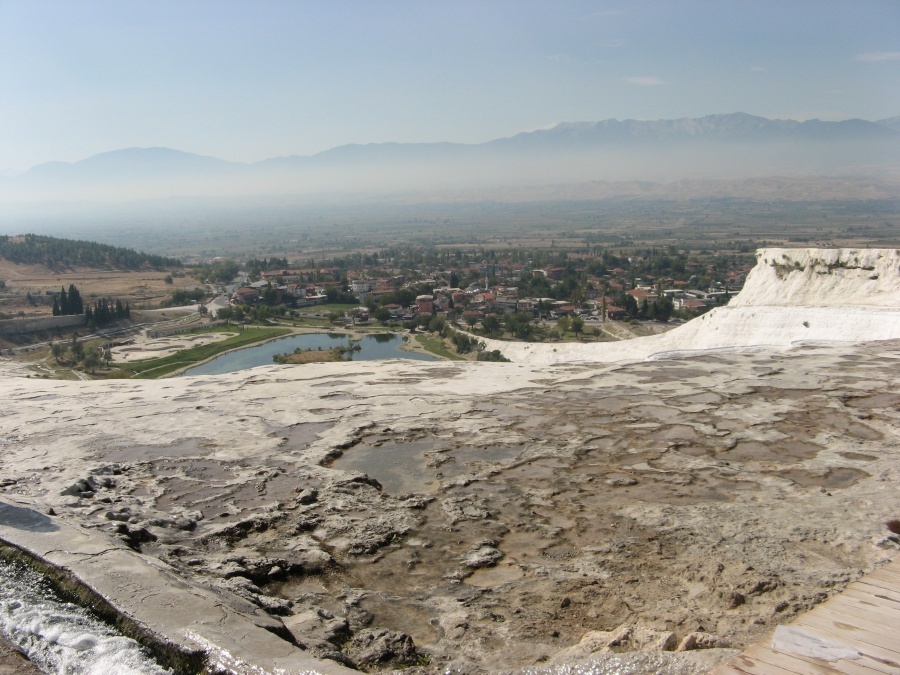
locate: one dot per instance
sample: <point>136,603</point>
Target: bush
<point>183,297</point>
<point>493,355</point>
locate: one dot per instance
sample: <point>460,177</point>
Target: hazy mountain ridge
<point>734,145</point>
<point>730,127</point>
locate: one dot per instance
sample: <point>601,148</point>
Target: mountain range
<point>734,145</point>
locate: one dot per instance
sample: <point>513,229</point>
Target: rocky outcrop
<point>382,648</point>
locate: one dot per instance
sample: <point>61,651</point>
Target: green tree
<point>494,355</point>
<point>663,308</point>
<point>63,303</point>
<point>577,325</point>
<point>75,304</point>
<point>57,350</point>
<point>631,306</point>
<point>224,314</point>
<point>91,360</point>
<point>270,296</point>
<point>76,348</point>
<point>491,325</point>
<point>519,325</point>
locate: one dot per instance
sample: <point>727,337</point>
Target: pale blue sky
<point>249,80</point>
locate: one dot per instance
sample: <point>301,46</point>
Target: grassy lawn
<point>153,368</point>
<point>324,309</point>
<point>436,347</point>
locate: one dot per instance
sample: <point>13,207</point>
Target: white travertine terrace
<point>725,475</point>
<point>791,297</point>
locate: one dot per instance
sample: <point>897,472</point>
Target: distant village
<point>410,286</point>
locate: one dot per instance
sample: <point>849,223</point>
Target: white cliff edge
<point>791,297</point>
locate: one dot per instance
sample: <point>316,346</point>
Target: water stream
<point>62,638</point>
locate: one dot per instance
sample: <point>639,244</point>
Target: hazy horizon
<point>248,82</point>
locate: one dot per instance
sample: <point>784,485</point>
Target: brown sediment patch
<point>698,450</point>
<point>822,418</point>
<point>299,436</point>
<point>783,450</point>
<point>880,400</point>
<point>221,490</point>
<point>190,447</point>
<point>504,572</point>
<point>406,617</point>
<point>674,432</point>
<point>534,469</point>
<point>859,456</point>
<point>298,587</point>
<point>659,413</point>
<point>444,371</point>
<point>846,425</point>
<point>701,401</point>
<point>471,459</point>
<point>840,477</point>
<point>789,393</point>
<point>658,373</point>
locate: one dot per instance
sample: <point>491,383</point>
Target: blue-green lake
<point>372,348</point>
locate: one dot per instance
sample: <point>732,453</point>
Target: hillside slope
<point>792,296</point>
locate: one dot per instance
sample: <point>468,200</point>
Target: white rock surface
<point>719,494</point>
<point>791,297</point>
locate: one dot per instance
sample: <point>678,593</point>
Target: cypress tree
<point>63,303</point>
<point>75,305</point>
<point>55,307</point>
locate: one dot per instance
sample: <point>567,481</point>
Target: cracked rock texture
<point>472,517</point>
<point>497,515</point>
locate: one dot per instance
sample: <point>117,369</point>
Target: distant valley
<point>735,146</point>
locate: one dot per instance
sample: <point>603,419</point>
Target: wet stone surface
<point>419,521</point>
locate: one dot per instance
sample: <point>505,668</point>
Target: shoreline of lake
<point>253,354</point>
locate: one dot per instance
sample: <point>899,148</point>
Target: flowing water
<point>60,637</point>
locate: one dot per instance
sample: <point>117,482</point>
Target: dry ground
<point>141,289</point>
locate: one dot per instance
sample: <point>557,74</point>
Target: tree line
<point>55,253</point>
<point>98,313</point>
<point>66,304</point>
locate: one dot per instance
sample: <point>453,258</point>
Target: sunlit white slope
<point>791,296</point>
